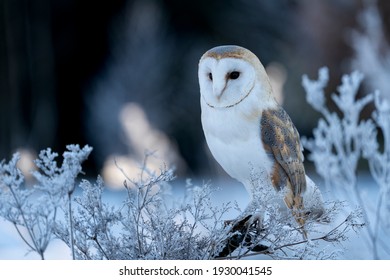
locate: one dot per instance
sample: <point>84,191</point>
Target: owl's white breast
<point>233,137</point>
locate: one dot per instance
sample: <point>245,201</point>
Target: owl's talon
<point>242,234</point>
<point>240,225</point>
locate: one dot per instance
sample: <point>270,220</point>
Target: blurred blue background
<point>121,75</point>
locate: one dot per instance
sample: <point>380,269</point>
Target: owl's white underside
<point>235,141</point>
<point>239,151</point>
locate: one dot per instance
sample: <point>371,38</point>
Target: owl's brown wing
<point>281,141</point>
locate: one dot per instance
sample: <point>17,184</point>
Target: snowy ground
<point>12,247</point>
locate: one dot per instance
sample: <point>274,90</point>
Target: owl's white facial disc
<point>225,82</point>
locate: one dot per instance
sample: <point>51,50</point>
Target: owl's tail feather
<point>307,206</point>
<point>295,204</point>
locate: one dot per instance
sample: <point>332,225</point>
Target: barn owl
<point>245,128</point>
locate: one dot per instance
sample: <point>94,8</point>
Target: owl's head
<point>228,74</point>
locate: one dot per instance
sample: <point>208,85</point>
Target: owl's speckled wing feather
<point>281,141</point>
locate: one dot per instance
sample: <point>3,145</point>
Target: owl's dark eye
<point>210,76</point>
<point>234,75</point>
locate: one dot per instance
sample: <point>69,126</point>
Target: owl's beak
<point>219,89</point>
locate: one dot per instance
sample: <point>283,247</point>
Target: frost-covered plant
<point>144,225</point>
<point>372,49</point>
<point>342,139</point>
<point>338,140</point>
<point>372,57</point>
<point>92,224</point>
<point>36,209</point>
<point>379,163</point>
<point>270,228</point>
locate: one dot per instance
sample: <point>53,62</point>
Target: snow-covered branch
<point>342,139</point>
<point>144,225</point>
<point>36,209</point>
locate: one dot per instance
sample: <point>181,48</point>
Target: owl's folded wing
<point>281,141</point>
